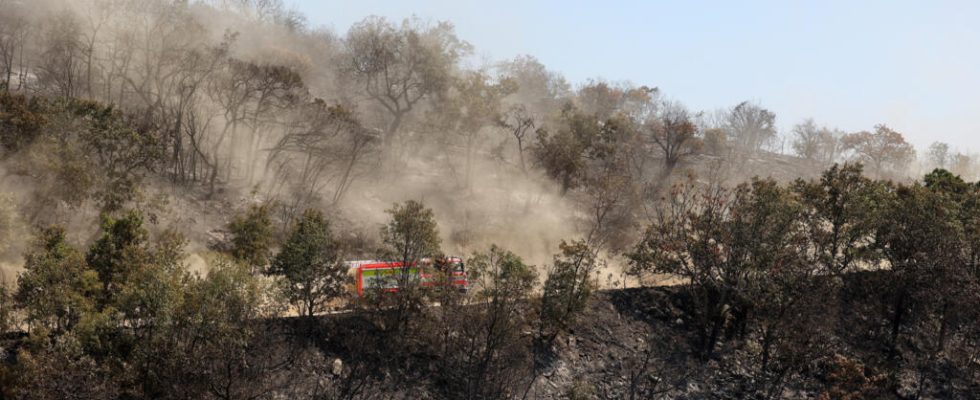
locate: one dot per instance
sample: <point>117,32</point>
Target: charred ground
<point>628,343</point>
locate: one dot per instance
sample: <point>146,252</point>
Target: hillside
<point>183,183</point>
<point>631,343</point>
<point>634,343</point>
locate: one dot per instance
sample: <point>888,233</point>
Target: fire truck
<point>389,276</point>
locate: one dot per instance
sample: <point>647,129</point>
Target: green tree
<point>122,151</point>
<point>839,213</point>
<point>60,169</point>
<point>21,121</point>
<point>146,320</point>
<point>410,236</point>
<point>584,149</point>
<point>568,287</point>
<point>412,233</point>
<point>220,330</point>
<point>927,295</point>
<point>120,251</point>
<point>560,155</point>
<point>57,287</point>
<point>947,183</point>
<point>151,292</point>
<point>484,353</point>
<point>719,240</point>
<point>62,370</point>
<point>768,277</point>
<point>501,278</point>
<point>252,237</point>
<point>919,237</point>
<point>85,150</point>
<point>311,262</point>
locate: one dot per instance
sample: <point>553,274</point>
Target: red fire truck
<point>390,275</point>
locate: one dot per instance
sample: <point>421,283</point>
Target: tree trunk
<point>897,319</point>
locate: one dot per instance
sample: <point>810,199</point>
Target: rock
<point>338,367</point>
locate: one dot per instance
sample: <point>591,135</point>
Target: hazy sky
<point>914,65</point>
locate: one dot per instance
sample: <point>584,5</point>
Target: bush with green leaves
<point>22,119</point>
<point>311,264</point>
<point>500,278</point>
<point>485,353</point>
<point>722,242</point>
<point>118,252</point>
<point>57,287</point>
<point>839,213</point>
<point>411,234</point>
<point>252,237</point>
<point>568,286</point>
<point>74,150</point>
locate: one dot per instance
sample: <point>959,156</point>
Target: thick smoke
<point>133,50</point>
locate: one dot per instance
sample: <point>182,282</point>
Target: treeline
<point>781,266</point>
<point>842,285</point>
<point>125,318</point>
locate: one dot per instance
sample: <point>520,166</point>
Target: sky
<point>913,65</point>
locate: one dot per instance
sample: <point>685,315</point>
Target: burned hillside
<point>218,199</point>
